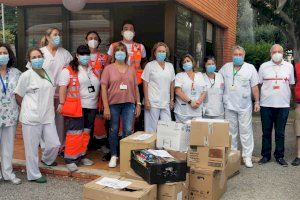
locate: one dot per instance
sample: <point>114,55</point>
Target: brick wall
<point>221,12</point>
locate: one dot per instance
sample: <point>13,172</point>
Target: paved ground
<point>269,182</point>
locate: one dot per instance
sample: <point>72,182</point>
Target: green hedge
<point>258,53</point>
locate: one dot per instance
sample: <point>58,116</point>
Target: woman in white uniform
<point>190,90</point>
<point>35,94</point>
<point>213,104</point>
<point>56,58</point>
<point>9,112</point>
<point>158,81</point>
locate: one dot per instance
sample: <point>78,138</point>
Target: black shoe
<point>263,160</point>
<point>51,165</point>
<point>106,157</point>
<point>296,162</point>
<point>282,162</point>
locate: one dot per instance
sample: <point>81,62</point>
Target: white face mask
<point>277,57</point>
<point>128,35</point>
<point>93,43</point>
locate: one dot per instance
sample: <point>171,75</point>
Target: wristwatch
<point>190,101</point>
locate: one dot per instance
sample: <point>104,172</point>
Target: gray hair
<point>237,47</point>
<point>276,45</point>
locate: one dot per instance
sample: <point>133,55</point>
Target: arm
<point>182,96</point>
<point>172,87</point>
<point>138,102</point>
<point>255,92</point>
<point>62,96</point>
<point>105,102</point>
<point>19,99</point>
<point>146,96</point>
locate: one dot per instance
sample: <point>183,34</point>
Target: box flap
<point>131,140</point>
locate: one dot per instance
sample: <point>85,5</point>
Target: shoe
<point>16,181</point>
<point>248,162</point>
<point>106,157</point>
<point>113,162</point>
<point>282,162</point>
<point>51,165</point>
<point>296,162</point>
<point>72,167</point>
<point>87,162</point>
<point>41,180</point>
<point>263,160</point>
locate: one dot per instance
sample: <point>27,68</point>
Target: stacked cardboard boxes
<point>207,158</point>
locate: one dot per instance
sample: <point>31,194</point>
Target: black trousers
<point>276,117</point>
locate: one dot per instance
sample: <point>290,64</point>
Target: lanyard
<point>48,78</point>
<point>234,72</point>
<point>4,85</point>
<point>211,84</point>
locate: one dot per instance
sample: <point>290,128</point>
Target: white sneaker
<point>16,181</point>
<point>248,162</point>
<point>72,167</point>
<point>113,162</point>
<point>87,162</point>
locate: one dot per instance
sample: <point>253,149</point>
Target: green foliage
<point>10,18</point>
<point>270,34</point>
<point>9,37</point>
<point>258,53</point>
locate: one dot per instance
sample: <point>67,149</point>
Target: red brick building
<point>198,27</point>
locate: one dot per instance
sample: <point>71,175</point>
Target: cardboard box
<point>172,135</point>
<point>170,191</point>
<point>178,154</point>
<point>208,184</point>
<point>159,170</point>
<point>132,175</point>
<point>233,164</point>
<point>138,190</point>
<point>210,132</point>
<point>128,144</point>
<point>208,157</point>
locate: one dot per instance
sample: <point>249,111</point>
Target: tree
<point>284,15</point>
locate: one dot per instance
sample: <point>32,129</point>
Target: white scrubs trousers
<point>7,138</point>
<point>32,135</point>
<point>183,119</point>
<point>213,117</point>
<point>241,122</point>
<point>153,115</point>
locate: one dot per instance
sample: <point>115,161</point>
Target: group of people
<point>60,95</point>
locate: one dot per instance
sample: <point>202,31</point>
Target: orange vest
<point>135,57</point>
<point>72,106</point>
<point>297,87</point>
<point>99,64</point>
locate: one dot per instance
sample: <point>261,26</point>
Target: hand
<point>256,107</point>
<point>106,113</point>
<point>137,110</point>
<point>171,105</point>
<point>194,105</point>
<point>59,108</point>
<point>147,105</point>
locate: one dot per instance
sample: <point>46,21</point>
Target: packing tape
<point>223,179</point>
<point>210,128</point>
<point>205,140</point>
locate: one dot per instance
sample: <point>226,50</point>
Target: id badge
<point>123,87</point>
<point>91,89</point>
<point>276,87</point>
<point>193,93</point>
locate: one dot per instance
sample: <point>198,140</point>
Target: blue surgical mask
<point>84,60</point>
<point>37,63</point>
<point>4,59</point>
<point>161,56</point>
<point>120,55</point>
<point>56,40</point>
<point>188,66</point>
<point>211,68</point>
<point>238,60</point>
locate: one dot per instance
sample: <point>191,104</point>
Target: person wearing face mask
<point>9,112</point>
<point>35,94</point>
<point>213,104</point>
<point>241,79</point>
<point>121,98</point>
<point>79,89</point>
<point>158,80</point>
<point>190,90</point>
<point>276,78</point>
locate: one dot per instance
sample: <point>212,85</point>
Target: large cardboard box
<point>138,190</point>
<point>130,143</point>
<point>210,132</point>
<point>172,135</point>
<point>208,184</point>
<point>171,191</point>
<point>233,164</point>
<point>132,175</point>
<point>208,157</point>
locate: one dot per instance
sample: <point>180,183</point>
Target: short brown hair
<point>31,50</point>
<point>191,58</point>
<point>117,47</point>
<point>158,44</point>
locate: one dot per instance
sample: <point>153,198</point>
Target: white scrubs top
<point>86,79</point>
<point>237,94</point>
<point>38,102</point>
<point>276,81</point>
<point>193,90</point>
<point>159,81</point>
<point>213,104</point>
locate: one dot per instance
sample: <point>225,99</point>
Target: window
<point>38,20</point>
<point>219,38</point>
<point>199,43</point>
<point>86,20</point>
<point>209,39</point>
